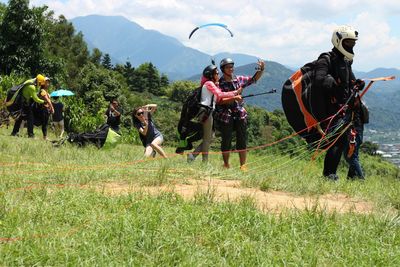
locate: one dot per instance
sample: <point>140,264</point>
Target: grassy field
<point>56,209</point>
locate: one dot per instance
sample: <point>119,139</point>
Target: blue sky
<point>291,32</point>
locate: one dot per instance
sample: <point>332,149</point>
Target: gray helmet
<point>225,62</point>
<point>209,71</point>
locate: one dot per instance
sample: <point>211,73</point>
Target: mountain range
<point>125,40</point>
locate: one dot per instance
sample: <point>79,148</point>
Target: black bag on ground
<point>97,137</point>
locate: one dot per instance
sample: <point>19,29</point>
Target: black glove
<point>358,85</point>
<point>329,83</point>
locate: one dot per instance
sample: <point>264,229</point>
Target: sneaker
<point>190,158</point>
<point>243,168</point>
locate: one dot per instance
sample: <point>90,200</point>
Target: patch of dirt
<point>224,190</point>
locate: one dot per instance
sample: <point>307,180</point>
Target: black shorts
<point>227,129</point>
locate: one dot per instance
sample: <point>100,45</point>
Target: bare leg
<point>156,145</point>
<point>242,157</point>
<point>148,151</point>
<point>225,157</point>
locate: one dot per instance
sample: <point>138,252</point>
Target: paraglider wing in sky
<point>211,24</point>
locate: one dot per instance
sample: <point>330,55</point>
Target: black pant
<point>45,121</point>
<point>27,115</point>
<point>226,129</point>
<point>333,155</point>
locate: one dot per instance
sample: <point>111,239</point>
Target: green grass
<point>52,214</point>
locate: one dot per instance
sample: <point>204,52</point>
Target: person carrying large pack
<point>190,128</point>
<point>19,102</point>
<point>315,98</point>
<point>210,94</point>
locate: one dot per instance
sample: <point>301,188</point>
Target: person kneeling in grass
<point>150,136</point>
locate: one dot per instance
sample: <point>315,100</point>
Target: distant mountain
<point>125,41</point>
<point>383,99</point>
<point>383,87</point>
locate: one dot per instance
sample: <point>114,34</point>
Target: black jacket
<point>334,78</point>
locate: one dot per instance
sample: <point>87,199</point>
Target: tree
<point>21,38</point>
<point>99,85</point>
<point>164,81</point>
<point>180,90</point>
<point>2,11</point>
<point>369,147</point>
<point>65,48</point>
<point>106,62</point>
<point>153,80</point>
<point>95,57</point>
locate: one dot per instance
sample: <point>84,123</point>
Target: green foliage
<point>265,128</point>
<point>78,118</point>
<point>98,85</point>
<point>369,148</point>
<point>66,50</point>
<point>2,11</point>
<point>6,82</point>
<point>95,57</point>
<point>106,61</point>
<point>21,38</point>
<point>180,90</point>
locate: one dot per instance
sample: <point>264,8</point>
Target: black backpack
<point>193,110</point>
<point>15,99</point>
<point>303,103</point>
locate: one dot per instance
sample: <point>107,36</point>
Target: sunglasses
<point>139,113</point>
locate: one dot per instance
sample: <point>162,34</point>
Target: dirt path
<point>223,190</point>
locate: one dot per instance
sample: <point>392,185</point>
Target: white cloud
<point>291,32</point>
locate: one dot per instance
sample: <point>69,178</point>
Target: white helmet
<point>341,33</point>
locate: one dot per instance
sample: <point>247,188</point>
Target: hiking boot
<point>332,177</point>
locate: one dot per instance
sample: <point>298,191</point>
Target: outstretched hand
<point>260,65</point>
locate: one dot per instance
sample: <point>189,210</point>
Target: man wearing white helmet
<point>335,79</point>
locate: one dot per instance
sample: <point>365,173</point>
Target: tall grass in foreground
<point>51,214</point>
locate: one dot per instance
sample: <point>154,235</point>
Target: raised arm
<point>150,108</point>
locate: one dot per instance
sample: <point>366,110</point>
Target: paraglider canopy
<point>211,24</point>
